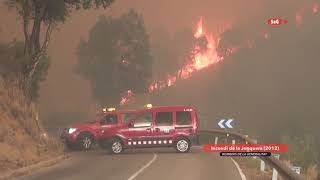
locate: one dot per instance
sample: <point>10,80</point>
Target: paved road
<point>140,164</point>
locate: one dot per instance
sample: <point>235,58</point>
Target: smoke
<point>270,84</point>
<point>271,87</point>
<point>273,81</point>
<point>65,91</point>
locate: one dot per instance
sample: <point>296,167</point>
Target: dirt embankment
<point>22,141</point>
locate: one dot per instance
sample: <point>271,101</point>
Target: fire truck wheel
<point>116,146</point>
<point>85,141</point>
<point>182,145</point>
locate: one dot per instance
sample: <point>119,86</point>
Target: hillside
<point>22,142</point>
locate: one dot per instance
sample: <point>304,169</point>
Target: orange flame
<point>128,97</point>
<point>201,57</point>
<point>199,32</point>
<point>315,8</point>
<point>298,19</point>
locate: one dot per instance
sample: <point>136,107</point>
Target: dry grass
<point>312,173</point>
<point>22,140</point>
<point>251,168</point>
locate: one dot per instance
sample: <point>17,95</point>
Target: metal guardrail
<point>284,171</point>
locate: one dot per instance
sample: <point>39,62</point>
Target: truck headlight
<point>72,130</point>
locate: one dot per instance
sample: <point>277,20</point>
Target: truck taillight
<point>196,124</point>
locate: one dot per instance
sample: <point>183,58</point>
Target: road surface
<point>140,164</point>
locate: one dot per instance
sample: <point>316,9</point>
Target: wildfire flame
<point>199,31</point>
<point>128,97</point>
<point>204,54</point>
<point>315,8</point>
<point>298,19</point>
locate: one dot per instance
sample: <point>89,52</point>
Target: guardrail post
<point>233,141</point>
<point>255,141</point>
<point>226,140</point>
<point>216,140</point>
<point>262,166</point>
<point>274,171</point>
<point>247,137</point>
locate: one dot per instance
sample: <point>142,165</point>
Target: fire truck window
<point>184,118</point>
<point>164,119</point>
<point>143,120</point>
<point>109,119</point>
<point>126,117</point>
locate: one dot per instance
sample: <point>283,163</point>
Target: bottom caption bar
<point>245,154</point>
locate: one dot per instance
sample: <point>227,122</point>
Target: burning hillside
<point>204,54</point>
<point>207,51</point>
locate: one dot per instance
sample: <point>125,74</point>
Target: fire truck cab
<point>84,135</point>
<point>170,126</point>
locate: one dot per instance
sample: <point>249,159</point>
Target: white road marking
<point>243,177</point>
<point>133,176</point>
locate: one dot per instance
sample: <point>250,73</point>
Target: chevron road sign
<point>226,123</point>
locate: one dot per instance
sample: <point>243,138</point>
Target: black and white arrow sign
<point>225,123</point>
